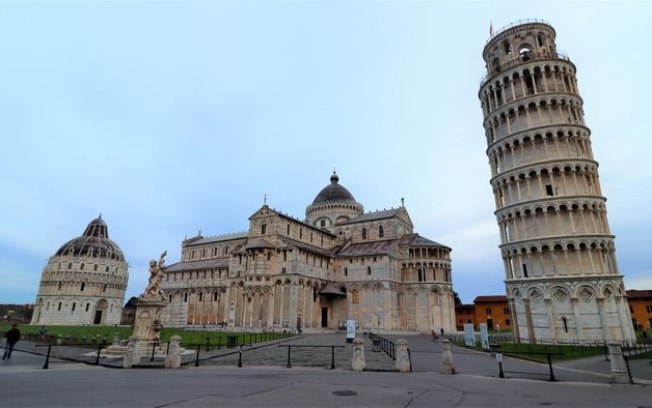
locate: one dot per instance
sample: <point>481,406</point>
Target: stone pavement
<point>24,384</point>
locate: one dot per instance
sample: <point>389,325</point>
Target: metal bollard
<point>47,358</point>
<point>99,350</point>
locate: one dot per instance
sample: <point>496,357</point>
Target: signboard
<point>484,336</point>
<point>499,357</point>
<point>350,331</point>
<point>469,336</point>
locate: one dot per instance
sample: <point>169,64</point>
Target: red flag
<point>491,28</point>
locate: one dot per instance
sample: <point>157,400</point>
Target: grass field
<point>105,334</point>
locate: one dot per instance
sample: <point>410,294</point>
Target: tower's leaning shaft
<point>561,275</point>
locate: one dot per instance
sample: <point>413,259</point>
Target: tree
<point>457,299</point>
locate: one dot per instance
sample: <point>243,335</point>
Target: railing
<point>501,373</point>
<point>384,344</point>
<point>46,365</point>
<point>289,346</point>
<point>515,24</point>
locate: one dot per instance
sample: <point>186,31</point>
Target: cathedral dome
<point>94,242</point>
<point>334,193</point>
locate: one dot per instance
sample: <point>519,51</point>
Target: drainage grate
<point>345,393</point>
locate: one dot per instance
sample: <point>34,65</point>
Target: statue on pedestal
<point>156,271</point>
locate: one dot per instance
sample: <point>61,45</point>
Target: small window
<point>185,297</point>
<point>381,232</point>
<point>322,223</point>
<point>83,285</point>
<point>69,265</point>
<point>300,232</point>
<point>346,271</point>
<point>368,270</point>
<point>549,191</point>
<point>214,296</point>
<point>524,270</point>
<point>88,305</point>
<point>263,229</point>
<point>59,306</point>
<point>283,270</point>
<point>95,267</point>
<point>81,267</point>
<point>104,288</point>
<point>565,321</point>
<point>201,295</point>
<point>287,230</point>
<point>364,233</point>
<point>74,306</point>
<point>507,322</point>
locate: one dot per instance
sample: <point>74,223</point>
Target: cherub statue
<point>156,270</point>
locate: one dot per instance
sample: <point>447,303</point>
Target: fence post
<point>447,366</point>
<point>240,358</point>
<point>197,356</point>
<point>618,366</point>
<point>358,362</point>
<point>332,357</point>
<point>289,365</point>
<point>47,358</point>
<point>173,356</point>
<point>99,350</point>
<point>402,359</point>
<point>552,374</point>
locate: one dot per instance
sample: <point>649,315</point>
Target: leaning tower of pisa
<point>561,275</point>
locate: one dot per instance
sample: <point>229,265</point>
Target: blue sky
<point>174,117</point>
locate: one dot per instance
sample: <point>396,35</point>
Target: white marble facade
<point>84,282</point>
<point>339,263</point>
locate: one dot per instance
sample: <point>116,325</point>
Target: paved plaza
<point>264,380</point>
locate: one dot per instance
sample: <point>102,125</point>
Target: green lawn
<point>100,334</point>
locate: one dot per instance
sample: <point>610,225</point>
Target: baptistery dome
<point>94,242</point>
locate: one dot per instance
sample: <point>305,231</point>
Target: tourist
<point>42,332</point>
<point>13,335</point>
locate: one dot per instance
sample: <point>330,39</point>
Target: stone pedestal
<point>618,367</point>
<point>173,358</point>
<point>147,326</point>
<point>402,357</point>
<point>358,362</point>
<point>447,366</point>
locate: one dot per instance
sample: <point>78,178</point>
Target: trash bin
<point>231,341</point>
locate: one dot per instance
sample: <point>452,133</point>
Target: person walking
<point>12,336</point>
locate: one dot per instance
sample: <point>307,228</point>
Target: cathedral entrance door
<point>98,317</point>
<point>324,317</point>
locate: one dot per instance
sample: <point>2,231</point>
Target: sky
<point>173,117</point>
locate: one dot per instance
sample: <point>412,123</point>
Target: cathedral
<point>338,264</point>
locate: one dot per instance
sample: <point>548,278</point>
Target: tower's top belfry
<point>517,43</point>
